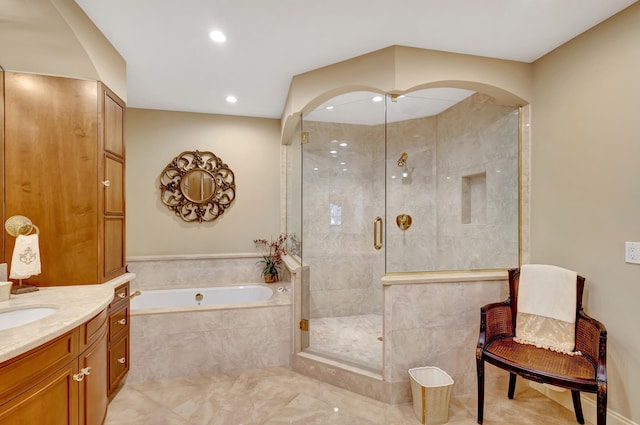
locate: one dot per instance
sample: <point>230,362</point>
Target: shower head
<point>402,162</point>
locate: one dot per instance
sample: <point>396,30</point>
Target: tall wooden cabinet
<point>64,163</point>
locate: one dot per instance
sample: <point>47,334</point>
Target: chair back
<point>514,280</point>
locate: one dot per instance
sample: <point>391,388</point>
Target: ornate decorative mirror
<point>197,186</point>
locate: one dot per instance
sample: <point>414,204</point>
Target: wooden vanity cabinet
<point>118,352</point>
<point>62,382</point>
<point>64,160</point>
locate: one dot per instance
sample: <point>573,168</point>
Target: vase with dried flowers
<point>272,256</point>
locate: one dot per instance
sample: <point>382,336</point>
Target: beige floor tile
<point>279,396</point>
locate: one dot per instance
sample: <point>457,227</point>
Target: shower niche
<point>473,204</point>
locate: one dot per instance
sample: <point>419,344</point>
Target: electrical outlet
<point>632,252</point>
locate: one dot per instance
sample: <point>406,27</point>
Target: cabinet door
<point>2,255</point>
<point>51,171</point>
<point>113,183</point>
<point>52,402</point>
<point>118,362</point>
<point>93,388</point>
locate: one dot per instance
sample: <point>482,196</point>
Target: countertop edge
<point>77,304</point>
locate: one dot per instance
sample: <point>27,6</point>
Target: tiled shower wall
<point>461,190</point>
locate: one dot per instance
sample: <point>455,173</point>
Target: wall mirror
<point>197,186</point>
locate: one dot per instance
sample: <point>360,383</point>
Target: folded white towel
<point>547,291</point>
<point>25,261</point>
<point>547,307</point>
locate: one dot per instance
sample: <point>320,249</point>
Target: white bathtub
<point>233,327</point>
<point>179,299</point>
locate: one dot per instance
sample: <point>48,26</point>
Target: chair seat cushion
<point>539,360</point>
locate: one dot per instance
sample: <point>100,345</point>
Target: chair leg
<point>577,406</point>
<point>602,404</point>
<point>512,385</point>
<point>480,369</point>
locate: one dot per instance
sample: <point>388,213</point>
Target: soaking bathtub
<point>184,332</point>
<point>183,299</point>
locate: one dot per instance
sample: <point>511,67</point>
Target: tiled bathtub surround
<point>194,271</point>
<point>217,339</point>
<point>173,345</point>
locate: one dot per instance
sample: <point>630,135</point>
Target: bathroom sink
<point>14,318</point>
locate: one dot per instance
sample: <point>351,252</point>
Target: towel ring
<point>20,225</point>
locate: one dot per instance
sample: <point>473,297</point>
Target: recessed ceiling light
<point>343,144</point>
<point>218,36</point>
<point>377,99</point>
<point>333,152</point>
<point>231,99</point>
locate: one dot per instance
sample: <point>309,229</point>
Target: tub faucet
<point>135,294</point>
<point>402,162</point>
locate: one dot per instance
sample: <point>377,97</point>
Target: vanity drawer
<point>118,362</point>
<point>93,329</point>
<point>18,372</point>
<point>118,322</point>
<point>121,295</point>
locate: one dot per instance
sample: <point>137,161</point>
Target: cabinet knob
<point>122,295</point>
<point>122,321</point>
<point>83,372</point>
<point>106,183</point>
<point>122,360</point>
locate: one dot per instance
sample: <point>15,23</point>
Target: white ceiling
<point>173,65</point>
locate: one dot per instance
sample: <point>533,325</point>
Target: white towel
<point>25,261</point>
<point>548,291</point>
<point>547,307</point>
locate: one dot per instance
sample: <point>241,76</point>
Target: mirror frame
<point>186,207</point>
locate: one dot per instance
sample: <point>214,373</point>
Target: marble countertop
<point>76,304</point>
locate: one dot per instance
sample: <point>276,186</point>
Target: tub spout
<point>402,162</point>
<point>135,294</point>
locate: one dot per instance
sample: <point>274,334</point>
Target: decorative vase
<point>270,278</point>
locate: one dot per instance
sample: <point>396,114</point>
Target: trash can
<point>431,390</point>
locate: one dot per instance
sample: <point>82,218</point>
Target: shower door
<point>343,168</point>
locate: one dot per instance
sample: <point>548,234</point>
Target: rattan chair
<point>585,372</point>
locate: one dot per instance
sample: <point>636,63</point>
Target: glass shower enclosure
<point>424,182</point>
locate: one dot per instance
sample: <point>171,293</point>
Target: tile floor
<point>280,396</point>
<point>351,338</point>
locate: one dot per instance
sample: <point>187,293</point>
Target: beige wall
<point>249,146</point>
<point>55,37</point>
<point>585,182</point>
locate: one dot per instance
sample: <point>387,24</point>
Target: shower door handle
<point>377,233</point>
